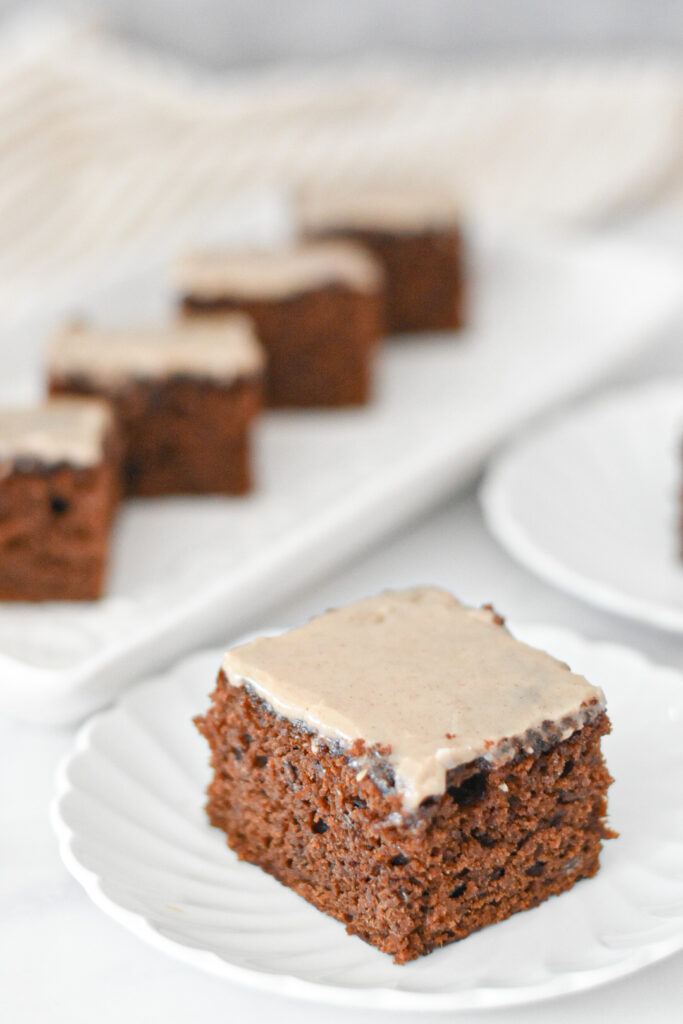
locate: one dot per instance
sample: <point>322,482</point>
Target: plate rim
<point>377,997</point>
<point>504,526</point>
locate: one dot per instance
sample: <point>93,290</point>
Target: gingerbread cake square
<point>59,487</point>
<point>184,397</point>
<point>408,767</point>
<point>418,239</point>
<point>317,308</point>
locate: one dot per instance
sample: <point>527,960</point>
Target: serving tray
<point>548,318</point>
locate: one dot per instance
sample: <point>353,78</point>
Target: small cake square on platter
<point>417,237</point>
<point>184,397</point>
<point>59,488</point>
<point>317,307</point>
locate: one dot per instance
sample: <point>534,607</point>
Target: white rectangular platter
<point>548,318</point>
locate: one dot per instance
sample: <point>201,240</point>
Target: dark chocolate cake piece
<point>417,237</point>
<point>317,308</point>
<point>59,487</point>
<point>409,767</point>
<point>184,397</point>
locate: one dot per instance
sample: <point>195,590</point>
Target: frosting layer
<point>438,683</point>
<point>71,430</point>
<point>222,350</point>
<point>277,273</point>
<point>395,210</point>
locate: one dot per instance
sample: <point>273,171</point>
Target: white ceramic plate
<point>590,502</point>
<point>129,817</point>
<point>548,318</point>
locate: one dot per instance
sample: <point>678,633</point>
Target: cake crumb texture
<point>54,530</point>
<point>496,841</point>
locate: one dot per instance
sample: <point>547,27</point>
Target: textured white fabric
<point>107,153</point>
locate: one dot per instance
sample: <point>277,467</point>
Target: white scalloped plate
<point>129,817</point>
<point>589,501</point>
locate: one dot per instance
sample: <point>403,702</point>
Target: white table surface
<point>62,960</point>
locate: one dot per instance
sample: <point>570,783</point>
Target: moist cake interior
<point>328,772</point>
